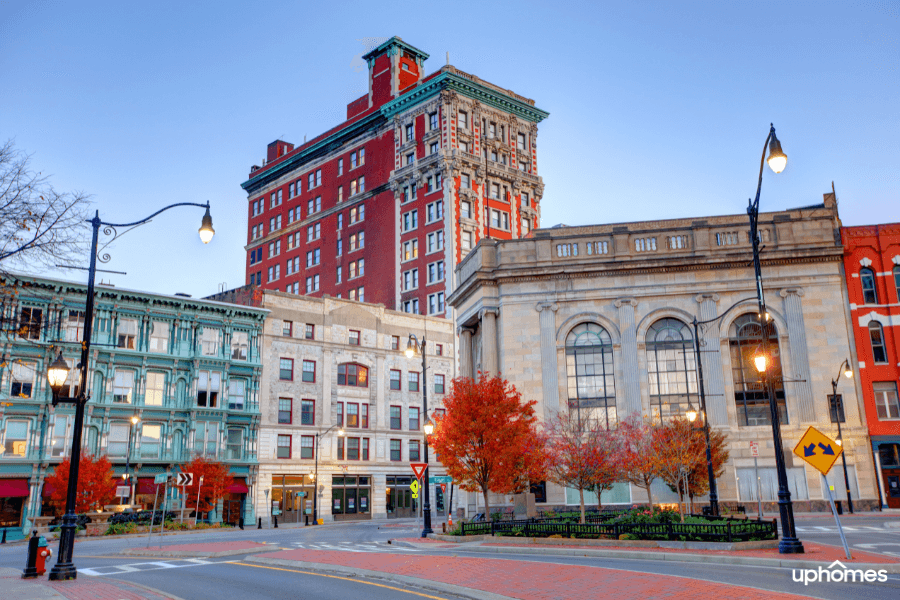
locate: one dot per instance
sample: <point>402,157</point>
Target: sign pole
<point>153,517</point>
<point>197,510</point>
<point>759,511</point>
<point>836,519</point>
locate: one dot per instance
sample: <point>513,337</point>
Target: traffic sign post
<point>418,469</point>
<point>821,452</point>
<point>754,452</point>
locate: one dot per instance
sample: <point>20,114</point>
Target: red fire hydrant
<point>44,553</point>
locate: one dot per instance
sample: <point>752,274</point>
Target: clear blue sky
<point>657,110</point>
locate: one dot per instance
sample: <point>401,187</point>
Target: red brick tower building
<point>872,266</point>
<point>382,207</point>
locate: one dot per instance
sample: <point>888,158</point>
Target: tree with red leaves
<point>96,484</point>
<point>639,464</point>
<point>572,454</point>
<point>488,438</point>
<point>216,479</point>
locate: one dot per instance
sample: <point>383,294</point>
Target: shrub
<point>121,528</point>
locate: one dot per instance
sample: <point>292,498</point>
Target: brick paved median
<point>520,579</point>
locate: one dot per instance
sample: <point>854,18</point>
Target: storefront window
<point>351,497</point>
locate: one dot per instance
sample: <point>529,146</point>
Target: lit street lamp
<point>413,347</point>
<point>315,476</point>
<point>59,370</point>
<point>837,408</point>
<point>789,543</point>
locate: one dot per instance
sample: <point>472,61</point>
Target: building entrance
<point>400,503</point>
<point>291,498</point>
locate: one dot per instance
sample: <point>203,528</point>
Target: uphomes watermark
<point>837,572</point>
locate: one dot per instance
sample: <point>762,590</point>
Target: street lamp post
<point>413,347</point>
<point>789,543</point>
<point>839,416</point>
<point>316,474</point>
<point>126,476</point>
<point>59,370</point>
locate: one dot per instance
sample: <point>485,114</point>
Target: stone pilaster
<point>549,369</point>
<point>711,359</point>
<point>631,379</point>
<point>465,352</point>
<point>489,352</point>
<point>796,330</point>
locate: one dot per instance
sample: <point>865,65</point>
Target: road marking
<point>354,547</point>
<point>354,579</point>
<point>105,571</point>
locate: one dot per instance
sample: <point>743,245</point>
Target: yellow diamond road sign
<point>818,449</point>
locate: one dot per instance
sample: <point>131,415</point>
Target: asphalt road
<point>227,579</point>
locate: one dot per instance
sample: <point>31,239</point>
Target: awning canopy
<point>238,486</point>
<point>14,488</point>
<point>146,485</point>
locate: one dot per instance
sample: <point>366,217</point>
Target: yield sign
<point>419,469</point>
<point>443,488</point>
<point>818,450</point>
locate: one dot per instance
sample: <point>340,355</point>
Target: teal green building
<point>171,377</point>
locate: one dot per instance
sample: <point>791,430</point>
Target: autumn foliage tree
<point>680,451</point>
<point>488,438</point>
<point>216,480</point>
<point>96,484</point>
<point>636,447</point>
<point>581,455</point>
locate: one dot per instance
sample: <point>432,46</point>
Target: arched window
<point>897,281</point>
<point>876,336</point>
<point>589,369</point>
<point>750,394</point>
<point>867,279</point>
<point>353,375</point>
<point>670,366</point>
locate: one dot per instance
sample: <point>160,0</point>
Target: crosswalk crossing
<point>147,566</point>
<point>355,546</point>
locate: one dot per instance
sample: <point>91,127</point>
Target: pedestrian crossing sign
<point>819,450</point>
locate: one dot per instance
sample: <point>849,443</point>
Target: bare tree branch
<point>39,227</point>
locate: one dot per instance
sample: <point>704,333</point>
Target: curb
<point>672,545</point>
<point>190,553</point>
<point>453,590</point>
<point>892,524</point>
<point>665,556</point>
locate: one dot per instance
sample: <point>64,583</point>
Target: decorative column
<point>793,312</point>
<point>465,352</point>
<point>549,368</point>
<point>489,356</point>
<point>627,326</point>
<point>711,357</point>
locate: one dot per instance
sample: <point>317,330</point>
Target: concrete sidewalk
<point>504,578</point>
<point>12,586</point>
<point>205,550</point>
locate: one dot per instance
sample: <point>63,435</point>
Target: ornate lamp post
<point>413,347</point>
<point>126,475</point>
<point>315,476</point>
<point>789,543</point>
<point>59,370</point>
<point>838,408</point>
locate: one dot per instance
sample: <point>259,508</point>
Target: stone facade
<point>316,378</point>
<point>151,354</point>
<point>643,284</point>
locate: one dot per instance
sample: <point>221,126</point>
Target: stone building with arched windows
<point>599,320</point>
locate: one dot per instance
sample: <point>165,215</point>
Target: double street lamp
<point>413,347</point>
<point>58,371</point>
<point>837,410</point>
<point>315,476</point>
<point>789,543</point>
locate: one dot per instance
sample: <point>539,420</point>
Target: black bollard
<point>276,522</point>
<point>3,541</point>
<point>307,521</point>
<point>241,523</point>
<point>31,571</point>
<point>259,526</point>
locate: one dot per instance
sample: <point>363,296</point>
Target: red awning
<point>146,485</point>
<point>238,486</point>
<point>14,488</point>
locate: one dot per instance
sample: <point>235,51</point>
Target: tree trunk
<point>581,497</point>
<point>487,507</point>
<point>649,495</point>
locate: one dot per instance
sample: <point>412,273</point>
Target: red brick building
<point>872,267</point>
<point>382,207</point>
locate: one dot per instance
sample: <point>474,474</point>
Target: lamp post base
<point>64,569</point>
<point>63,572</point>
<point>790,546</point>
<point>426,531</point>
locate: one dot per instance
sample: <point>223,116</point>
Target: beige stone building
<point>330,364</point>
<point>598,319</point>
